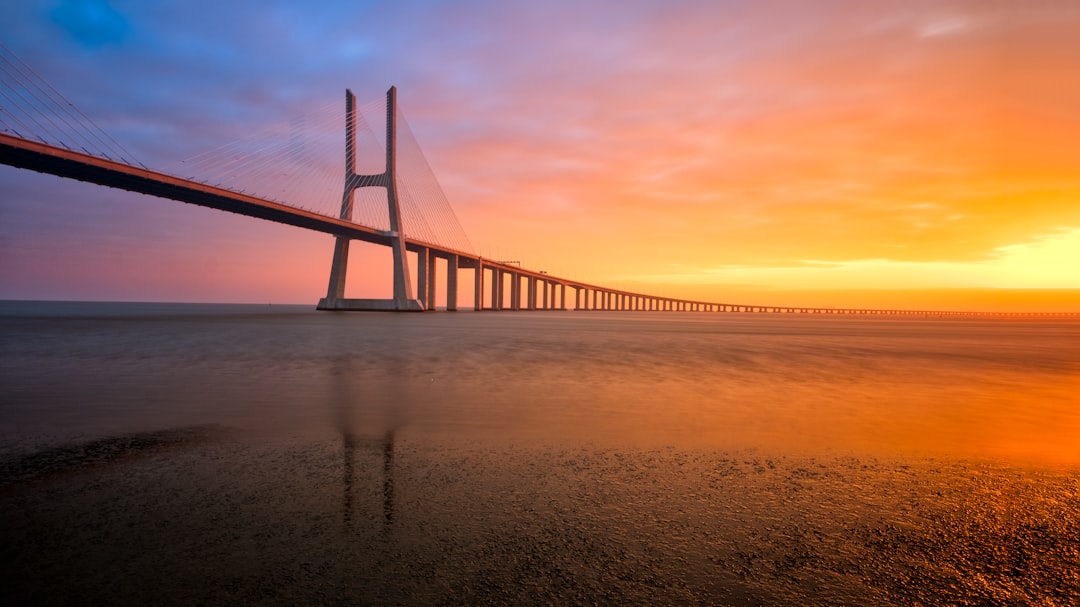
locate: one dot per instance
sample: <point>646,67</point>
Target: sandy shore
<point>209,516</point>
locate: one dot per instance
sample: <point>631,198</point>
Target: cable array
<point>297,162</point>
<point>300,163</point>
<point>32,109</point>
<point>427,212</point>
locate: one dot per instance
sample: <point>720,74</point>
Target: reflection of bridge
<point>41,134</point>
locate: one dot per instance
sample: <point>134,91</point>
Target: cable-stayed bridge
<point>386,195</point>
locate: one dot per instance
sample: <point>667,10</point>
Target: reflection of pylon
<point>388,478</point>
<point>403,300</point>
<point>349,443</point>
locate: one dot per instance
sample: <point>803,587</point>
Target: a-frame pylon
<point>404,300</point>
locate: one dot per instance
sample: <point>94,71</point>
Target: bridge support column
<point>496,289</point>
<point>422,268</point>
<point>515,291</point>
<point>451,282</point>
<point>338,269</point>
<point>562,296</point>
<point>531,293</point>
<point>478,286</point>
<point>431,281</point>
<point>403,293</point>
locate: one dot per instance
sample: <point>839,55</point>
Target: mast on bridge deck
<point>404,300</point>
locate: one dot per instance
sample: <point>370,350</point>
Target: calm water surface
<point>180,454</point>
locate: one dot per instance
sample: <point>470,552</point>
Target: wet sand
<point>215,516</point>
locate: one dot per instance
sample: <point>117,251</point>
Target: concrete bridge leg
<point>478,286</point>
<point>431,282</point>
<point>451,282</point>
<point>403,297</point>
<point>500,298</point>
<point>422,268</point>
<point>338,269</point>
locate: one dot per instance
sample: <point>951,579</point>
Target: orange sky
<point>919,150</point>
<point>917,154</point>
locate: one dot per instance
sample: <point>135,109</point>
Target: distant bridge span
<point>494,282</point>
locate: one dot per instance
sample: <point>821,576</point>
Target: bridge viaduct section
<point>496,285</point>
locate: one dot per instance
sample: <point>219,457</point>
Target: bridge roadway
<point>543,291</point>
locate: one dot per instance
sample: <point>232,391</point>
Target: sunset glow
<point>836,153</point>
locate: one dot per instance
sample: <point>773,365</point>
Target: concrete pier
<point>404,300</point>
<point>451,283</point>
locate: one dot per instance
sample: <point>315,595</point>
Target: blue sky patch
<point>92,23</point>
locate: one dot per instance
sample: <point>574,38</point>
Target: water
<point>179,454</point>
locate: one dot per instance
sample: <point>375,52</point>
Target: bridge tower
<point>404,300</point>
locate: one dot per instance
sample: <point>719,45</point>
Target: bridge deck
<point>43,158</point>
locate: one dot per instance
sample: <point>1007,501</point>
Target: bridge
<point>41,131</point>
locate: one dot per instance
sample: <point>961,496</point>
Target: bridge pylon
<point>404,299</point>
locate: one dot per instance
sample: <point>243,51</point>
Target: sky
<point>892,154</point>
